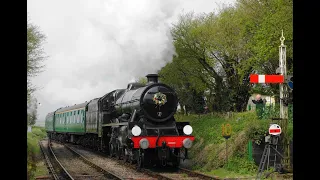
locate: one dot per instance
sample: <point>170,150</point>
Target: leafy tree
<point>184,77</point>
<point>231,45</point>
<point>216,44</point>
<point>264,21</point>
<point>190,40</point>
<point>35,54</point>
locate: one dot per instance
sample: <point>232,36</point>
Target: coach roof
<point>76,106</point>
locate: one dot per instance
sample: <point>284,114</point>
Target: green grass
<point>34,156</point>
<point>221,172</point>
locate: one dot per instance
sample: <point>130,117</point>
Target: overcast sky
<point>96,46</point>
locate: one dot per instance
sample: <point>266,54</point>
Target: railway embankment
<point>211,155</point>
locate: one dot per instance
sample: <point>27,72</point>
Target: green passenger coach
<point>71,119</point>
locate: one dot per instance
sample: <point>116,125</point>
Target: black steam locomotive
<point>135,124</point>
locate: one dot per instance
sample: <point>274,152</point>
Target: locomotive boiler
<point>135,124</point>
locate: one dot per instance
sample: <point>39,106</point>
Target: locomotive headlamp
<point>136,130</point>
<point>187,143</point>
<point>187,129</point>
<point>144,143</point>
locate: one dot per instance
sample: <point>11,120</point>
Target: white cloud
<point>98,46</point>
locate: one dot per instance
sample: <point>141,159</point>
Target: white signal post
<point>283,71</point>
<point>284,94</point>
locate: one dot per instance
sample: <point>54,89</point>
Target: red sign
<point>256,78</point>
<point>274,129</point>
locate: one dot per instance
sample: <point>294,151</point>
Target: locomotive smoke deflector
<point>152,78</point>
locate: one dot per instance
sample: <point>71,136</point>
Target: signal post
<point>284,95</point>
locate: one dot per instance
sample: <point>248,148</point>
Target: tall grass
<point>33,149</point>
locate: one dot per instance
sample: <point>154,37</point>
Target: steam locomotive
<point>135,124</point>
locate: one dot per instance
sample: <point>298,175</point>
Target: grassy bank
<point>35,165</point>
<point>209,151</point>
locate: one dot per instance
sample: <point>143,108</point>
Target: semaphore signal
<point>256,78</point>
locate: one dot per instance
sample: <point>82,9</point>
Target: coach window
<point>74,117</point>
<point>70,117</point>
<point>82,116</point>
<point>78,117</point>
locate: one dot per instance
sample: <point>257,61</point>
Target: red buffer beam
<point>256,78</point>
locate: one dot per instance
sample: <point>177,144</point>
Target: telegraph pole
<point>283,97</point>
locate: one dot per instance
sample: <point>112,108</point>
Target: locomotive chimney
<point>152,78</point>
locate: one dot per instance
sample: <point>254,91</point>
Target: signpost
<point>271,143</point>
<point>226,133</point>
<point>282,79</point>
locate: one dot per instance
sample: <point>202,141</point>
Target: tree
<point>264,21</point>
<point>217,43</point>
<point>142,80</point>
<point>184,77</point>
<point>32,106</point>
<point>35,54</point>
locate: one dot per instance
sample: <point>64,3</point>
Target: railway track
<point>56,169</point>
<point>167,173</point>
<point>72,166</point>
<point>111,168</point>
<point>44,151</point>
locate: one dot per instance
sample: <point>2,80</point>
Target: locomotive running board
<point>115,124</point>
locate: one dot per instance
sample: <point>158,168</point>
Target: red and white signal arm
<point>274,129</point>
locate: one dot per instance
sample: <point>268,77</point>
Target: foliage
<point>240,165</point>
<point>142,80</point>
<point>216,53</point>
<point>264,22</point>
<point>257,131</point>
<point>35,54</point>
<point>33,149</point>
<point>209,141</point>
<point>183,77</point>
